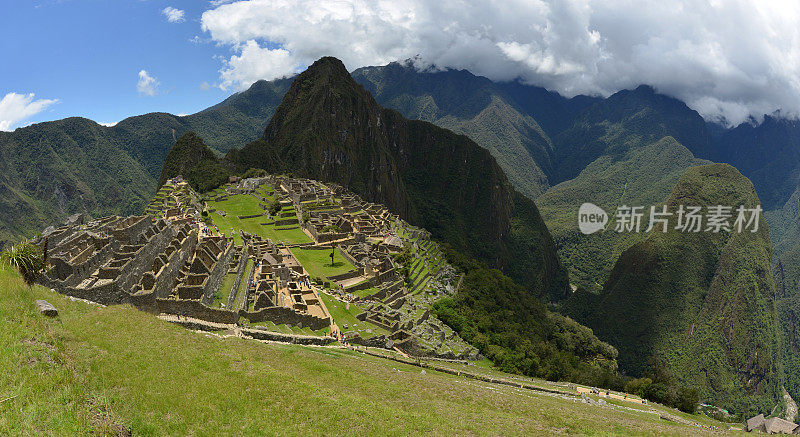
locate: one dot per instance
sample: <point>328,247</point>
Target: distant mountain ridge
<point>57,168</point>
<point>502,118</point>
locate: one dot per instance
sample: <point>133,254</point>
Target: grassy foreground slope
<point>105,370</point>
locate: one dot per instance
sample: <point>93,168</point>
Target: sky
<point>106,60</point>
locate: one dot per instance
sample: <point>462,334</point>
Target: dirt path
<point>791,406</point>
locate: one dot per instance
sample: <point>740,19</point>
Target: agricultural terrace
<point>244,205</point>
<point>345,316</point>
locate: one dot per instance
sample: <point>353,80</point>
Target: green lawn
<point>239,204</point>
<point>242,204</point>
<point>344,316</point>
<point>288,236</point>
<point>99,370</point>
<point>365,292</point>
<point>318,262</point>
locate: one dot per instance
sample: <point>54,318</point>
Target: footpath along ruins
<point>275,257</point>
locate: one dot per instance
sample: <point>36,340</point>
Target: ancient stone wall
<point>131,229</point>
<point>347,275</point>
<point>349,257</point>
<point>240,272</point>
<point>165,282</point>
<point>195,309</point>
<point>388,275</point>
<point>360,286</point>
<point>282,315</point>
<point>288,338</point>
<point>218,273</point>
<point>143,260</point>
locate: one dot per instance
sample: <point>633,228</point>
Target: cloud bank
<point>17,108</point>
<point>726,59</point>
<point>147,85</point>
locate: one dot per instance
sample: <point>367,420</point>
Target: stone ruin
<point>365,233</point>
<point>167,262</point>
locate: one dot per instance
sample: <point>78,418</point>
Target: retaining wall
<point>195,309</point>
<point>283,315</point>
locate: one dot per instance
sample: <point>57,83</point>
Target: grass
<point>239,204</point>
<point>240,293</point>
<point>288,236</point>
<point>221,296</point>
<point>365,292</point>
<point>318,262</point>
<point>243,205</point>
<point>347,316</point>
<point>93,370</point>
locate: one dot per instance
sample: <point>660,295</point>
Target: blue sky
<point>87,54</point>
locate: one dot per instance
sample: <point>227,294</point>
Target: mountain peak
<point>326,66</point>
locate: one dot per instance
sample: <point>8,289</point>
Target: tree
<point>254,173</point>
<point>274,207</point>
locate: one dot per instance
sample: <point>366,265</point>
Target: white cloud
<point>110,124</point>
<point>147,85</point>
<point>726,59</point>
<point>256,63</point>
<point>174,15</point>
<point>16,108</point>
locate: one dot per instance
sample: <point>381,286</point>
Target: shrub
<point>26,257</point>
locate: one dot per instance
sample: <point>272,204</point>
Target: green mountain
<point>330,128</point>
<point>192,159</point>
<point>501,118</point>
<point>768,154</point>
<point>58,168</point>
<point>54,169</point>
<point>697,306</point>
<point>640,176</point>
<point>623,121</point>
<point>629,149</point>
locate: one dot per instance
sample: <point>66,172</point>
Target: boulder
<point>776,425</point>
<point>755,423</point>
<point>46,308</point>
